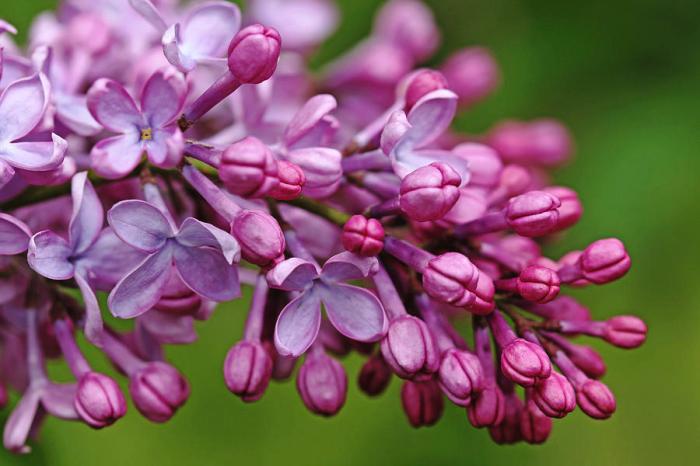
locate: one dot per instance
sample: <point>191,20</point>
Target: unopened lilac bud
<point>375,375</point>
<point>555,396</point>
<point>89,31</point>
<point>488,408</point>
<point>322,384</point>
<point>533,213</point>
<point>248,168</point>
<point>538,284</point>
<point>485,166</point>
<point>253,54</point>
<point>535,426</point>
<point>158,390</point>
<point>570,210</point>
<point>460,376</point>
<point>409,348</point>
<point>451,278</point>
<point>260,236</point>
<point>422,402</point>
<point>541,142</point>
<point>429,192</point>
<point>423,82</point>
<point>410,25</point>
<point>247,370</point>
<point>604,260</point>
<point>588,360</point>
<point>363,236</point>
<point>525,362</point>
<point>99,401</point>
<point>595,399</point>
<point>472,73</point>
<point>290,181</point>
<point>507,431</point>
<point>625,331</point>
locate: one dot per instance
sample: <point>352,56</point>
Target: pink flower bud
<point>525,362</point>
<point>460,376</point>
<point>535,426</point>
<point>247,370</point>
<point>260,236</point>
<point>99,401</point>
<point>423,82</point>
<point>89,32</point>
<point>625,331</point>
<point>472,73</point>
<point>538,284</point>
<point>290,179</point>
<point>363,236</point>
<point>595,399</point>
<point>248,168</point>
<point>533,214</point>
<point>409,348</point>
<point>322,384</point>
<point>375,375</point>
<point>253,54</point>
<point>158,390</point>
<point>541,142</point>
<point>429,192</point>
<point>604,260</point>
<point>422,402</point>
<point>588,360</point>
<point>570,210</point>
<point>410,25</point>
<point>451,278</point>
<point>488,408</point>
<point>507,432</point>
<point>485,165</point>
<point>555,396</point>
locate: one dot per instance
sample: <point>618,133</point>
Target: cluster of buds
<point>170,162</point>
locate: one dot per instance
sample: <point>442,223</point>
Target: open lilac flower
<point>149,127</point>
<point>202,254</point>
<point>353,311</point>
<point>14,235</point>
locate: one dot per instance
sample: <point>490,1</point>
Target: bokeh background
<point>624,75</point>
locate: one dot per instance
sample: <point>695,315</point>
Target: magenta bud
<point>374,376</point>
<point>485,166</point>
<point>625,331</point>
<point>460,376</point>
<point>595,399</point>
<point>533,213</point>
<point>260,236</point>
<point>555,396</point>
<point>363,236</point>
<point>253,54</point>
<point>535,426</point>
<point>451,278</point>
<point>158,390</point>
<point>604,260</point>
<point>410,25</point>
<point>587,359</point>
<point>488,408</point>
<point>422,402</point>
<point>507,432</point>
<point>515,179</point>
<point>322,384</point>
<point>248,168</point>
<point>538,284</point>
<point>99,401</point>
<point>409,348</point>
<point>247,370</point>
<point>472,74</point>
<point>290,181</point>
<point>525,362</point>
<point>423,82</point>
<point>570,210</point>
<point>541,142</point>
<point>429,192</point>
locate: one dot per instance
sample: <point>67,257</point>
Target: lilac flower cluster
<point>167,156</point>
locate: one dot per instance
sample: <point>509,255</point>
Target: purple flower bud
<point>99,400</point>
<point>460,376</point>
<point>554,395</point>
<point>248,168</point>
<point>625,331</point>
<point>541,142</point>
<point>525,362</point>
<point>588,360</point>
<point>253,54</point>
<point>535,426</point>
<point>488,408</point>
<point>410,25</point>
<point>322,384</point>
<point>290,179</point>
<point>485,166</point>
<point>422,402</point>
<point>538,284</point>
<point>595,399</point>
<point>260,236</point>
<point>158,390</point>
<point>451,278</point>
<point>507,431</point>
<point>423,82</point>
<point>409,348</point>
<point>570,210</point>
<point>247,370</point>
<point>429,192</point>
<point>472,73</point>
<point>363,236</point>
<point>604,260</point>
<point>375,375</point>
<point>533,214</point>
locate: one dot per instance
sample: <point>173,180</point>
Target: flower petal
<point>116,156</point>
<point>298,324</point>
<point>140,224</point>
<point>209,28</point>
<point>194,233</point>
<point>22,106</point>
<point>172,49</point>
<point>141,289</point>
<point>308,116</point>
<point>59,400</point>
<point>93,314</point>
<point>430,117</point>
<point>14,235</point>
<point>348,266</point>
<point>112,106</point>
<point>149,12</point>
<point>206,272</point>
<point>322,169</point>
<point>73,112</point>
<point>36,156</point>
<point>166,148</point>
<point>162,98</point>
<point>20,422</point>
<point>354,311</point>
<point>168,328</point>
<point>88,214</point>
<point>293,274</point>
<point>48,255</point>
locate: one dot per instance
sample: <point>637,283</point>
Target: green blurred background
<point>625,77</point>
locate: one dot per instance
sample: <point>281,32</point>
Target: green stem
<point>329,213</point>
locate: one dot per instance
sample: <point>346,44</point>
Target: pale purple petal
<point>194,233</point>
<point>308,116</point>
<point>140,224</point>
<point>73,112</point>
<point>149,12</point>
<point>168,328</point>
<point>354,311</point>
<point>166,148</point>
<point>59,400</point>
<point>172,49</point>
<point>14,235</point>
<point>53,177</point>
<point>348,266</point>
<point>117,156</point>
<point>36,156</point>
<point>88,214</point>
<point>22,106</point>
<point>298,324</point>
<point>162,98</point>
<point>206,272</point>
<point>6,173</point>
<point>112,106</point>
<point>93,316</point>
<point>293,274</point>
<point>141,289</point>
<point>406,160</point>
<point>430,117</point>
<point>209,28</point>
<point>49,256</point>
<point>322,169</point>
<point>20,422</point>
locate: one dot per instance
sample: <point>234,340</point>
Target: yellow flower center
<point>146,134</point>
